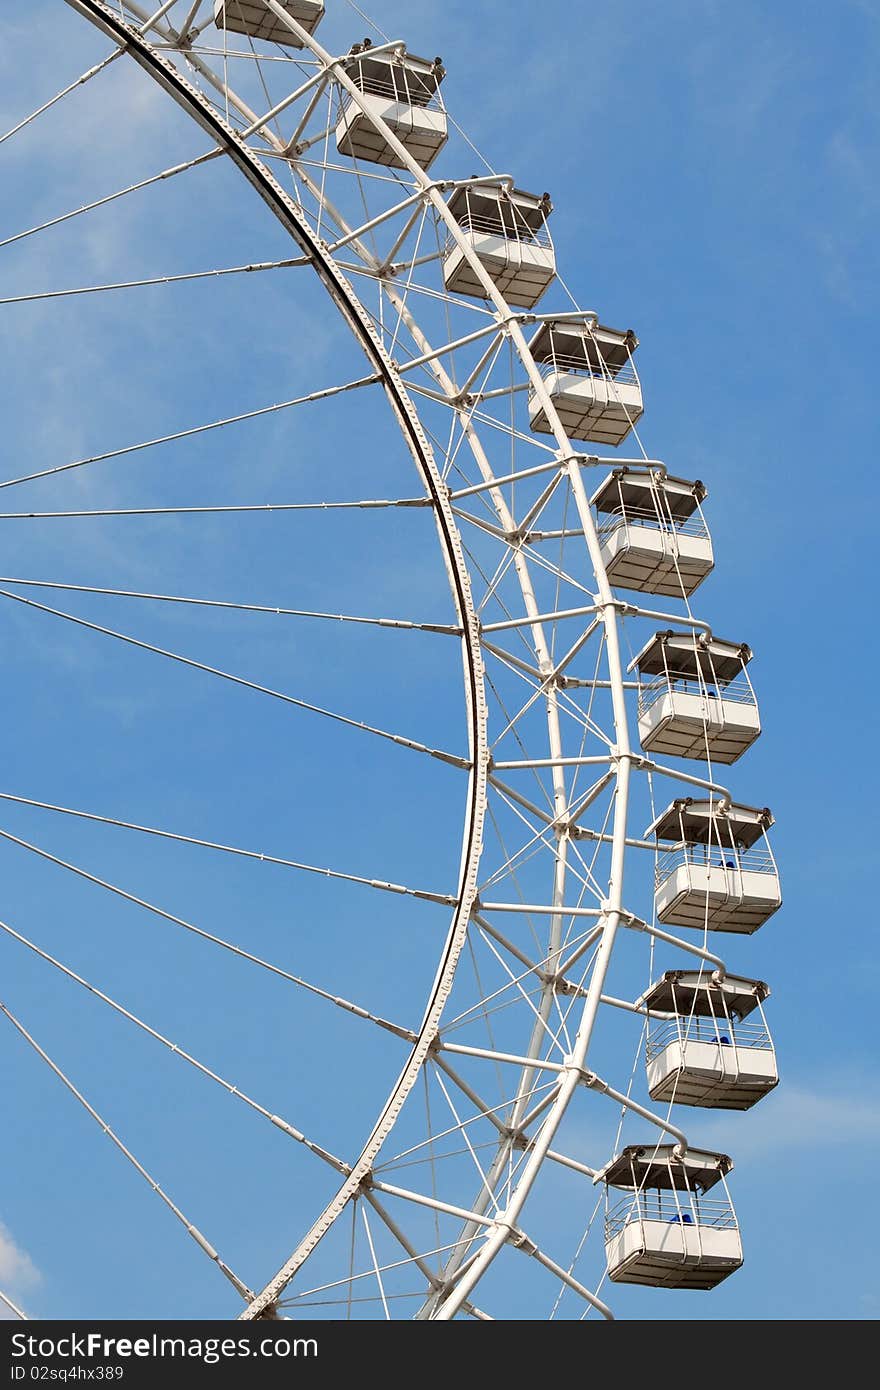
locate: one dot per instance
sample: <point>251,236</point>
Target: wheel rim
<point>466,1264</point>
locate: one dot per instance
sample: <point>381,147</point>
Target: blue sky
<point>712,174</point>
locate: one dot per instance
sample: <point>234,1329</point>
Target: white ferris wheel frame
<point>606,611</point>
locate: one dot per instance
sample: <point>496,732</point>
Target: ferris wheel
<point>404,939</point>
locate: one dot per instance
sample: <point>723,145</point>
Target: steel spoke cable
<point>396,1159</point>
<point>516,983</point>
<point>578,1252</point>
<point>344,1004</point>
<point>289,1300</point>
<point>376,1269</point>
<point>484,418</point>
<point>351,268</point>
<point>168,173</point>
<point>519,743</point>
<point>589,869</point>
<point>505,1182</point>
<point>559,581</point>
<point>205,51</point>
<point>432,1154</point>
<point>325,394</point>
<point>481,1106</point>
<point>278,1121</point>
<point>482,994</point>
<point>405,290</point>
<point>217,274</point>
<point>557,595</point>
<point>567,704</point>
<point>504,567</point>
<point>257,57</point>
<point>512,862</point>
<point>385,1299</point>
<point>512,1000</point>
<point>552,1038</point>
<point>588,711</point>
<point>520,857</point>
<point>579,989</point>
<point>465,419</point>
<point>322,186</point>
<point>512,806</point>
<point>462,420</point>
<point>446,899</point>
<point>535,834</point>
<point>542,561</point>
<point>469,1015</point>
<point>419,1261</point>
<point>366,504</point>
<point>368,20</point>
<point>349,1297</point>
<point>13,1307</point>
<point>563,1014</point>
<point>401,623</point>
<point>71,87</point>
<point>447,312</point>
<point>452,758</point>
<point>357,171</point>
<point>188,1226</point>
<point>538,690</point>
<point>469,1146</point>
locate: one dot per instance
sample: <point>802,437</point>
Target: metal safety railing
<point>738,691</point>
<point>406,90</point>
<point>723,1032</point>
<point>652,517</point>
<point>505,225</point>
<point>715,856</point>
<point>570,363</point>
<point>672,1208</point>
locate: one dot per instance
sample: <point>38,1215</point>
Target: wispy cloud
<point>803,1118</point>
<point>17,1270</point>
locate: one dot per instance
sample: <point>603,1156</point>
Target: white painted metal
<point>497,250</point>
<point>251,17</point>
<point>713,876</point>
<point>590,377</point>
<point>695,697</point>
<point>402,92</point>
<point>700,1049</point>
<point>504,231</point>
<point>666,1233</point>
<point>359,321</point>
<point>728,896</point>
<point>466,1281</point>
<point>732,1072</point>
<point>668,1252</point>
<point>654,536</point>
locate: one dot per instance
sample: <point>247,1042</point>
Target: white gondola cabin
<point>507,229</point>
<point>652,531</point>
<point>716,869</point>
<point>705,1047</point>
<point>695,697</point>
<point>254,18</point>
<point>404,91</point>
<point>665,1232</point>
<point>591,379</point>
